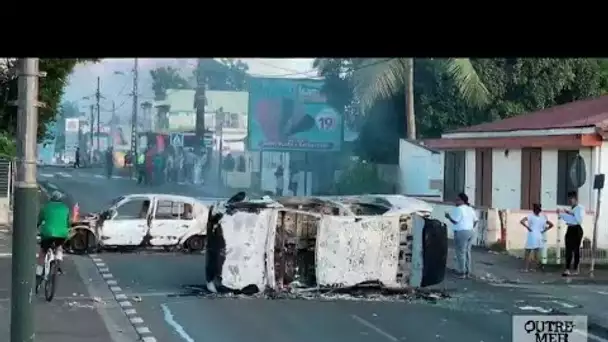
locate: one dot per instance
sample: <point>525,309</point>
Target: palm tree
<point>375,78</point>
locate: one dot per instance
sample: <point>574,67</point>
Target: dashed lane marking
<point>127,307</point>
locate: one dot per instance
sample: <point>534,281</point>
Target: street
<point>152,290</point>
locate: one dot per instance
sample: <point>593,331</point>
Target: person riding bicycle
<point>54,223</point>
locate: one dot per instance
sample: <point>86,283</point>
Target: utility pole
<point>97,97</point>
<point>219,133</point>
<point>113,123</point>
<point>409,100</point>
<point>92,108</point>
<point>134,118</point>
<point>199,103</point>
<point>26,205</point>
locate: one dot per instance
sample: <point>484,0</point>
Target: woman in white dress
<point>536,224</point>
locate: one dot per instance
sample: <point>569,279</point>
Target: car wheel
<point>79,243</point>
<point>195,243</point>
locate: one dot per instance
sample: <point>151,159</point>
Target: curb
<point>127,307</point>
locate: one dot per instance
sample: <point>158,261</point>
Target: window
<point>565,163</point>
<point>172,210</point>
<point>136,208</point>
<point>453,175</point>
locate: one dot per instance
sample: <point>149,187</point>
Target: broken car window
<point>132,209</point>
<point>172,210</point>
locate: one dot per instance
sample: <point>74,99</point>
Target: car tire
<point>79,243</point>
<point>195,243</point>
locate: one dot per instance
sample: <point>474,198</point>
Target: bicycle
<point>49,275</point>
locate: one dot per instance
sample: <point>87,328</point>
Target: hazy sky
<point>116,87</point>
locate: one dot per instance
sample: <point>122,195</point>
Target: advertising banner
<point>291,115</point>
<point>72,127</point>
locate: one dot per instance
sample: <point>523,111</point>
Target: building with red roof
<point>529,158</point>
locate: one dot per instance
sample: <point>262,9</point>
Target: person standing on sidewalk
<point>574,233</point>
<point>536,224</point>
<point>464,220</point>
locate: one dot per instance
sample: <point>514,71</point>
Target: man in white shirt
<point>464,220</point>
<point>574,233</point>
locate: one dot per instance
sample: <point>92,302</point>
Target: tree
<point>225,74</point>
<point>164,78</point>
<point>51,90</point>
<point>519,85</point>
<point>377,78</point>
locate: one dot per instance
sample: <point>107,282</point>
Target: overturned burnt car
<point>275,244</point>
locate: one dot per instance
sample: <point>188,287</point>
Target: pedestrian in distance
<point>77,158</point>
<point>574,233</point>
<point>464,220</point>
<point>536,224</point>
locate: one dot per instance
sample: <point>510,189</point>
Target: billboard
<point>291,115</point>
<point>72,125</point>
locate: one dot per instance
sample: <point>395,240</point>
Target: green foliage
<point>164,78</point>
<point>8,147</point>
<point>516,85</point>
<point>51,90</point>
<point>225,74</point>
<point>361,178</point>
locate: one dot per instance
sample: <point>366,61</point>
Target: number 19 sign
<point>327,120</point>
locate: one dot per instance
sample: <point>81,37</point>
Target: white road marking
<point>136,320</point>
<point>64,174</point>
<point>7,255</point>
<point>99,176</point>
<point>130,312</point>
<point>534,308</point>
<point>144,330</point>
<point>47,175</point>
<point>173,323</point>
<point>125,304</point>
<point>373,327</point>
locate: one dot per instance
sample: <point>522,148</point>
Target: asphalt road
<point>152,293</point>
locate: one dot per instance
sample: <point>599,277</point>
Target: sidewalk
<point>590,295</point>
<point>71,317</point>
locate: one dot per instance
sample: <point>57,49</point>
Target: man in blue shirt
<point>574,233</point>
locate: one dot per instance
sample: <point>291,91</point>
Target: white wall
<point>469,175</point>
<point>417,167</point>
<point>549,179</point>
<point>506,178</point>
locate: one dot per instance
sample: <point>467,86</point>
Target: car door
<point>129,223</point>
<point>171,220</point>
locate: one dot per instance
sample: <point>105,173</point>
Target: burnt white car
<point>144,220</point>
<point>327,242</point>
